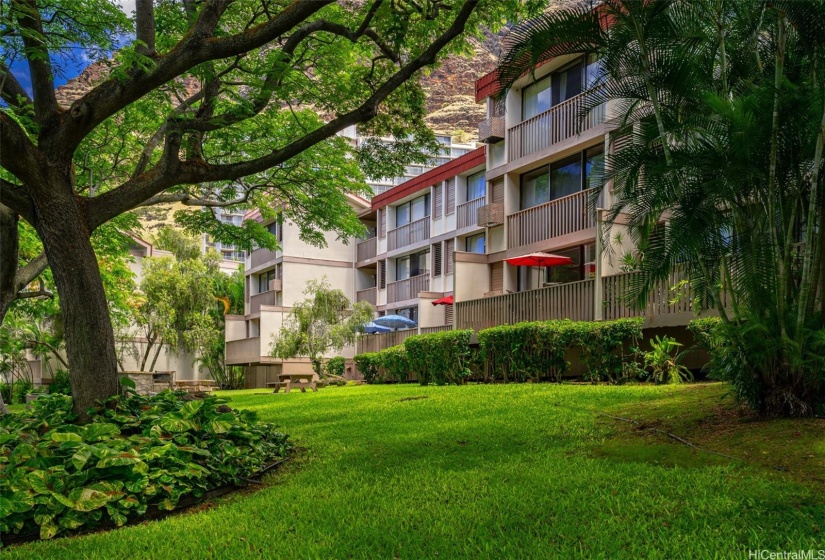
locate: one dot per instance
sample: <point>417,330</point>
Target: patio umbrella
<point>395,322</point>
<point>447,300</point>
<point>539,259</point>
<point>372,328</point>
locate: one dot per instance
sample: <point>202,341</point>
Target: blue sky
<point>66,66</point>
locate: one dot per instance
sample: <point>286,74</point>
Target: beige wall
<point>472,280</point>
<point>430,315</point>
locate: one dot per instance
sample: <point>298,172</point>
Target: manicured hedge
<point>57,476</point>
<point>520,352</point>
<point>440,357</point>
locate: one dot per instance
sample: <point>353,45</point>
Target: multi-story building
<point>274,282</point>
<point>227,251</point>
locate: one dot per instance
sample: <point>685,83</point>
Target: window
<point>581,171</point>
<point>410,313</point>
<point>449,197</point>
<point>382,223</point>
<point>535,98</point>
<point>475,186</point>
<point>382,274</point>
<point>438,200</point>
<point>276,228</point>
<point>416,209</point>
<point>436,251</point>
<point>583,266</point>
<point>449,250</point>
<point>592,71</point>
<point>475,244</point>
<point>264,278</point>
<point>567,82</point>
<point>411,265</point>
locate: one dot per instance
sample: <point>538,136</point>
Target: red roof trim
<point>486,86</point>
<point>426,180</point>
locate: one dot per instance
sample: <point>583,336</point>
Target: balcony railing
<point>551,219</point>
<point>244,351</point>
<point>428,330</point>
<point>262,256</point>
<point>376,342</point>
<point>265,298</point>
<point>564,301</point>
<point>367,249</point>
<point>408,289</point>
<point>467,213</point>
<point>491,214</point>
<point>369,295</point>
<point>414,232</point>
<point>552,126</point>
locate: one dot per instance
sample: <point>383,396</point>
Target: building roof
<point>425,180</point>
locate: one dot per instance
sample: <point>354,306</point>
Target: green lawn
<point>503,471</point>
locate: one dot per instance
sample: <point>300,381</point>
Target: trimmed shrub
<point>138,452</point>
<point>440,357</point>
<point>526,350</point>
<point>369,365</point>
<point>603,346</point>
<point>336,366</point>
<point>395,368</point>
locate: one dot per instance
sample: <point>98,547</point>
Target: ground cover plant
<point>502,471</point>
<point>137,453</point>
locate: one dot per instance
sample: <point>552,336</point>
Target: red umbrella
<point>448,300</point>
<point>539,259</point>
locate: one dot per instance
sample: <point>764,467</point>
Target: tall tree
<point>721,112</point>
<point>324,322</point>
<point>216,103</point>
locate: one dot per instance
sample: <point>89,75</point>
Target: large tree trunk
<point>90,341</point>
<point>8,259</point>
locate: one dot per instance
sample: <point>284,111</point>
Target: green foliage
<point>394,364</point>
<point>324,322</point>
<point>137,453</point>
<point>440,357</point>
<point>336,366</point>
<point>369,364</point>
<point>184,247</point>
<point>663,361</point>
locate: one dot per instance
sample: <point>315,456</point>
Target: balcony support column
<point>598,286</point>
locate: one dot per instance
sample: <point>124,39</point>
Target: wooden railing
<point>262,256</point>
<point>428,330</point>
<point>408,289</point>
<point>376,342</point>
<point>552,126</point>
<point>367,249</point>
<point>244,351</point>
<point>551,219</point>
<point>564,301</point>
<point>413,232</point>
<point>265,298</point>
<point>667,298</point>
<point>369,295</point>
<point>467,212</point>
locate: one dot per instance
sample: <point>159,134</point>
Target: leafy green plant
<point>61,384</point>
<point>336,366</point>
<point>663,361</point>
<point>20,389</point>
<point>395,367</point>
<point>137,453</point>
<point>440,357</point>
<point>369,365</point>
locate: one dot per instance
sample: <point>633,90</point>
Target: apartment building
<point>274,282</point>
<point>417,231</point>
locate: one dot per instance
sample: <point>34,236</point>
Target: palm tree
<point>719,106</point>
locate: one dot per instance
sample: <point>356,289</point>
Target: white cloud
<point>128,6</point>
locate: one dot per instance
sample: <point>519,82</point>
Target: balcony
<point>491,215</point>
<point>558,217</point>
<point>244,351</point>
<point>552,126</point>
<point>414,232</point>
<point>467,213</point>
<point>491,130</point>
<point>265,298</point>
<point>275,285</point>
<point>367,249</point>
<point>261,257</point>
<point>370,295</point>
<point>404,290</point>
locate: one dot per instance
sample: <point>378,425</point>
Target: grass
<point>503,471</point>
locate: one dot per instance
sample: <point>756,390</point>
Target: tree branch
<point>174,172</point>
<point>12,92</point>
<point>28,17</point>
<point>195,48</point>
<point>145,26</point>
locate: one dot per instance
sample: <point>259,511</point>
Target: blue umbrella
<point>395,322</point>
<point>372,328</point>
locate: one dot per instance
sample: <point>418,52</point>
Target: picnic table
<point>300,381</point>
